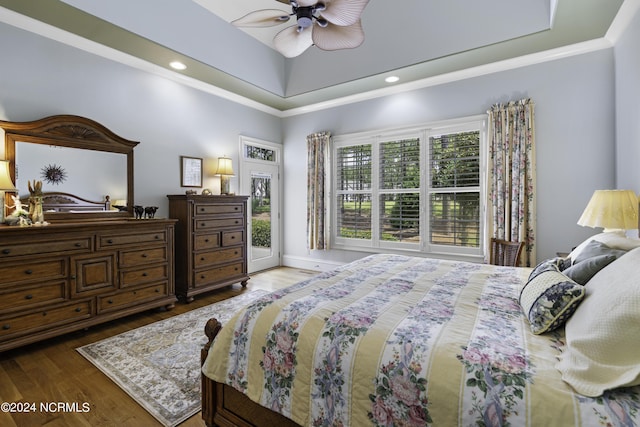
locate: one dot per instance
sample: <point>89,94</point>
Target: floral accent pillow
<point>549,298</point>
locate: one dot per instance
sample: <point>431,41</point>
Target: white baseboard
<point>309,263</point>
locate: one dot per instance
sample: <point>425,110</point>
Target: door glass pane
<point>261,216</point>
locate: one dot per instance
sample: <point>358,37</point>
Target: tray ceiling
<point>422,39</point>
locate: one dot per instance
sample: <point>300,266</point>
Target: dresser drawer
<point>206,241</point>
<point>56,244</point>
<point>142,256</point>
<point>230,238</point>
<point>219,273</point>
<point>146,275</point>
<point>213,209</point>
<point>217,257</point>
<point>43,319</point>
<point>131,297</point>
<point>34,271</point>
<point>27,297</point>
<point>208,224</point>
<point>109,241</point>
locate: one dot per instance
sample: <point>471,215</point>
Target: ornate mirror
<point>80,163</point>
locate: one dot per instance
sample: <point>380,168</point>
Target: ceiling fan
<point>328,24</point>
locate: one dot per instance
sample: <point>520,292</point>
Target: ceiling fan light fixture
<point>392,79</point>
<point>338,25</point>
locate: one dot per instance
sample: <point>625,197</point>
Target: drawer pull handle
<point>237,222</point>
<point>201,258</point>
<point>29,271</point>
<point>144,274</point>
<point>109,241</point>
<point>203,224</point>
<point>144,255</point>
<point>157,291</point>
<point>6,327</point>
<point>235,253</point>
<point>157,237</point>
<point>44,313</point>
<point>78,310</point>
<point>135,292</point>
<point>110,301</point>
<point>72,277</point>
<point>6,251</point>
<point>202,276</point>
<point>233,237</point>
<point>28,296</point>
<point>77,245</point>
<point>206,240</point>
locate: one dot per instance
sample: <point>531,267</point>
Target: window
<point>415,190</point>
<point>259,153</point>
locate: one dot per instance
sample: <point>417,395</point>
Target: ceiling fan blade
<point>284,1</point>
<point>292,43</point>
<point>343,12</point>
<point>335,37</point>
<point>262,18</point>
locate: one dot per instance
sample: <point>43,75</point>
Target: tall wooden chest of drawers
<point>69,276</point>
<point>211,242</point>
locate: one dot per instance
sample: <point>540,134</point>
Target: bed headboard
<point>65,202</point>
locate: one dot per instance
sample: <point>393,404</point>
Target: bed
<point>405,341</point>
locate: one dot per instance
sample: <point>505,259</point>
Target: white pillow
<point>602,349</point>
<point>613,239</point>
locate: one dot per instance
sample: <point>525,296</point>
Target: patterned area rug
<point>158,365</point>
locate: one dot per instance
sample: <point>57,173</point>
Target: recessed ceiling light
<point>392,79</point>
<point>177,65</point>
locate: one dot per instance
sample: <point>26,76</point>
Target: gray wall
<point>627,59</point>
<point>40,77</point>
<point>574,135</point>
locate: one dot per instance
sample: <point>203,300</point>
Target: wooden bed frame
<point>224,406</point>
<point>65,202</point>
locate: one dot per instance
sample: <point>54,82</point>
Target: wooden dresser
<point>211,242</point>
<point>68,276</point>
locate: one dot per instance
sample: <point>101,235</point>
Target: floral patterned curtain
<point>317,151</point>
<point>511,212</point>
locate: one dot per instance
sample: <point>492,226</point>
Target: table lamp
<point>5,185</point>
<point>225,170</point>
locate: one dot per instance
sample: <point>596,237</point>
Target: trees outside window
<point>417,190</point>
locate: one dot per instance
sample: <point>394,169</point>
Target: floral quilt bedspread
<point>394,340</point>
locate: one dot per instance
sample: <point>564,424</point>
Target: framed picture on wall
<point>190,171</point>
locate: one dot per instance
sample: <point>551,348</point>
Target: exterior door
<point>260,178</point>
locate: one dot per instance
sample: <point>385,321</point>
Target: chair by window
<point>504,252</point>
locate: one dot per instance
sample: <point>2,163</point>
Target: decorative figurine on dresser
<point>91,263</point>
<point>211,243</point>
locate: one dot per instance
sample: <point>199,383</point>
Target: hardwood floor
<point>52,371</point>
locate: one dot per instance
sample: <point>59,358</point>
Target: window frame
<point>423,132</point>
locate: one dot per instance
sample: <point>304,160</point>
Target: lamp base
<point>224,185</point>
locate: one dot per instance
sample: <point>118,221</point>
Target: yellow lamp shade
<point>5,178</point>
<point>225,166</point>
<point>611,209</point>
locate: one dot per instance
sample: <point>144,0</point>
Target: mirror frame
<point>75,132</point>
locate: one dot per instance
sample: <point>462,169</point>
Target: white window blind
<point>414,190</point>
